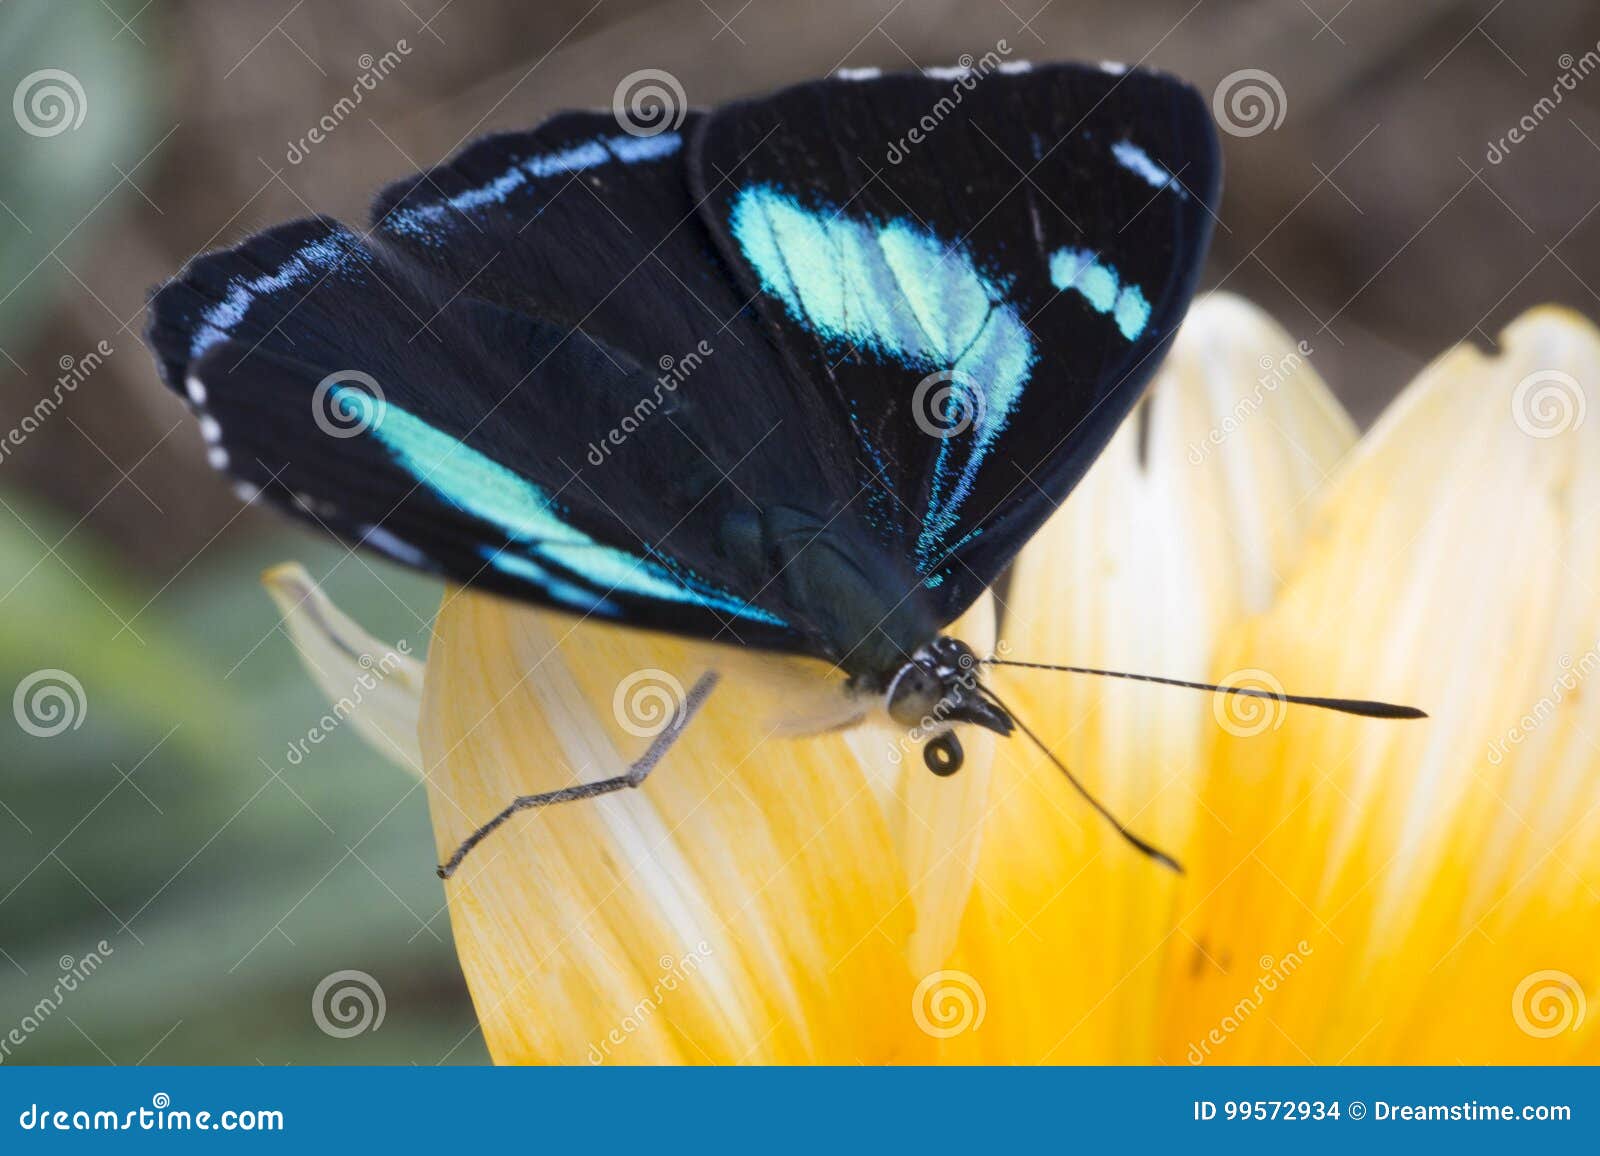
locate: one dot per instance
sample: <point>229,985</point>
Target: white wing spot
<point>396,548</point>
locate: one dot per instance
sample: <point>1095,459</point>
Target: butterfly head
<point>935,690</point>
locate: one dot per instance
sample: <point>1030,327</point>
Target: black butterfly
<point>800,373</point>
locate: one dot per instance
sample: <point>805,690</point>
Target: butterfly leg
<point>632,777</point>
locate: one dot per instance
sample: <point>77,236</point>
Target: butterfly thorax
<point>861,604</point>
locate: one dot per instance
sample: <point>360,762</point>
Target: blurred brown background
<point>1369,220</point>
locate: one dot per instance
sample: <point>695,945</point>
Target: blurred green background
<point>167,819</point>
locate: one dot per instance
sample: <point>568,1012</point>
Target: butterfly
<point>801,373</point>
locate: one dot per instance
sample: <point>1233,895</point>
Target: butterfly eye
<point>914,694</point>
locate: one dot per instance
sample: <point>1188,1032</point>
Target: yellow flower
<point>1357,890</point>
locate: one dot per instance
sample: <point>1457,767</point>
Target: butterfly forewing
<point>980,268</point>
<point>378,396</point>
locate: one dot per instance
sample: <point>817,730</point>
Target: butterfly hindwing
<point>359,392</point>
<point>981,267</point>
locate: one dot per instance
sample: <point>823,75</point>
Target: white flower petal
<point>376,685</point>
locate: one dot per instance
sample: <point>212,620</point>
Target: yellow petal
<point>936,823</point>
<point>377,686</point>
<point>745,904</point>
<point>1435,884</point>
<point>1142,569</point>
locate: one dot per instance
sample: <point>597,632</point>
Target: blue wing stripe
<point>309,262</point>
<point>557,587</point>
<point>903,293</point>
<point>420,221</point>
<point>1133,158</point>
<point>488,490</point>
<point>1099,285</point>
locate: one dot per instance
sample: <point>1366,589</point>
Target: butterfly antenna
<point>1356,706</point>
<point>1137,843</point>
